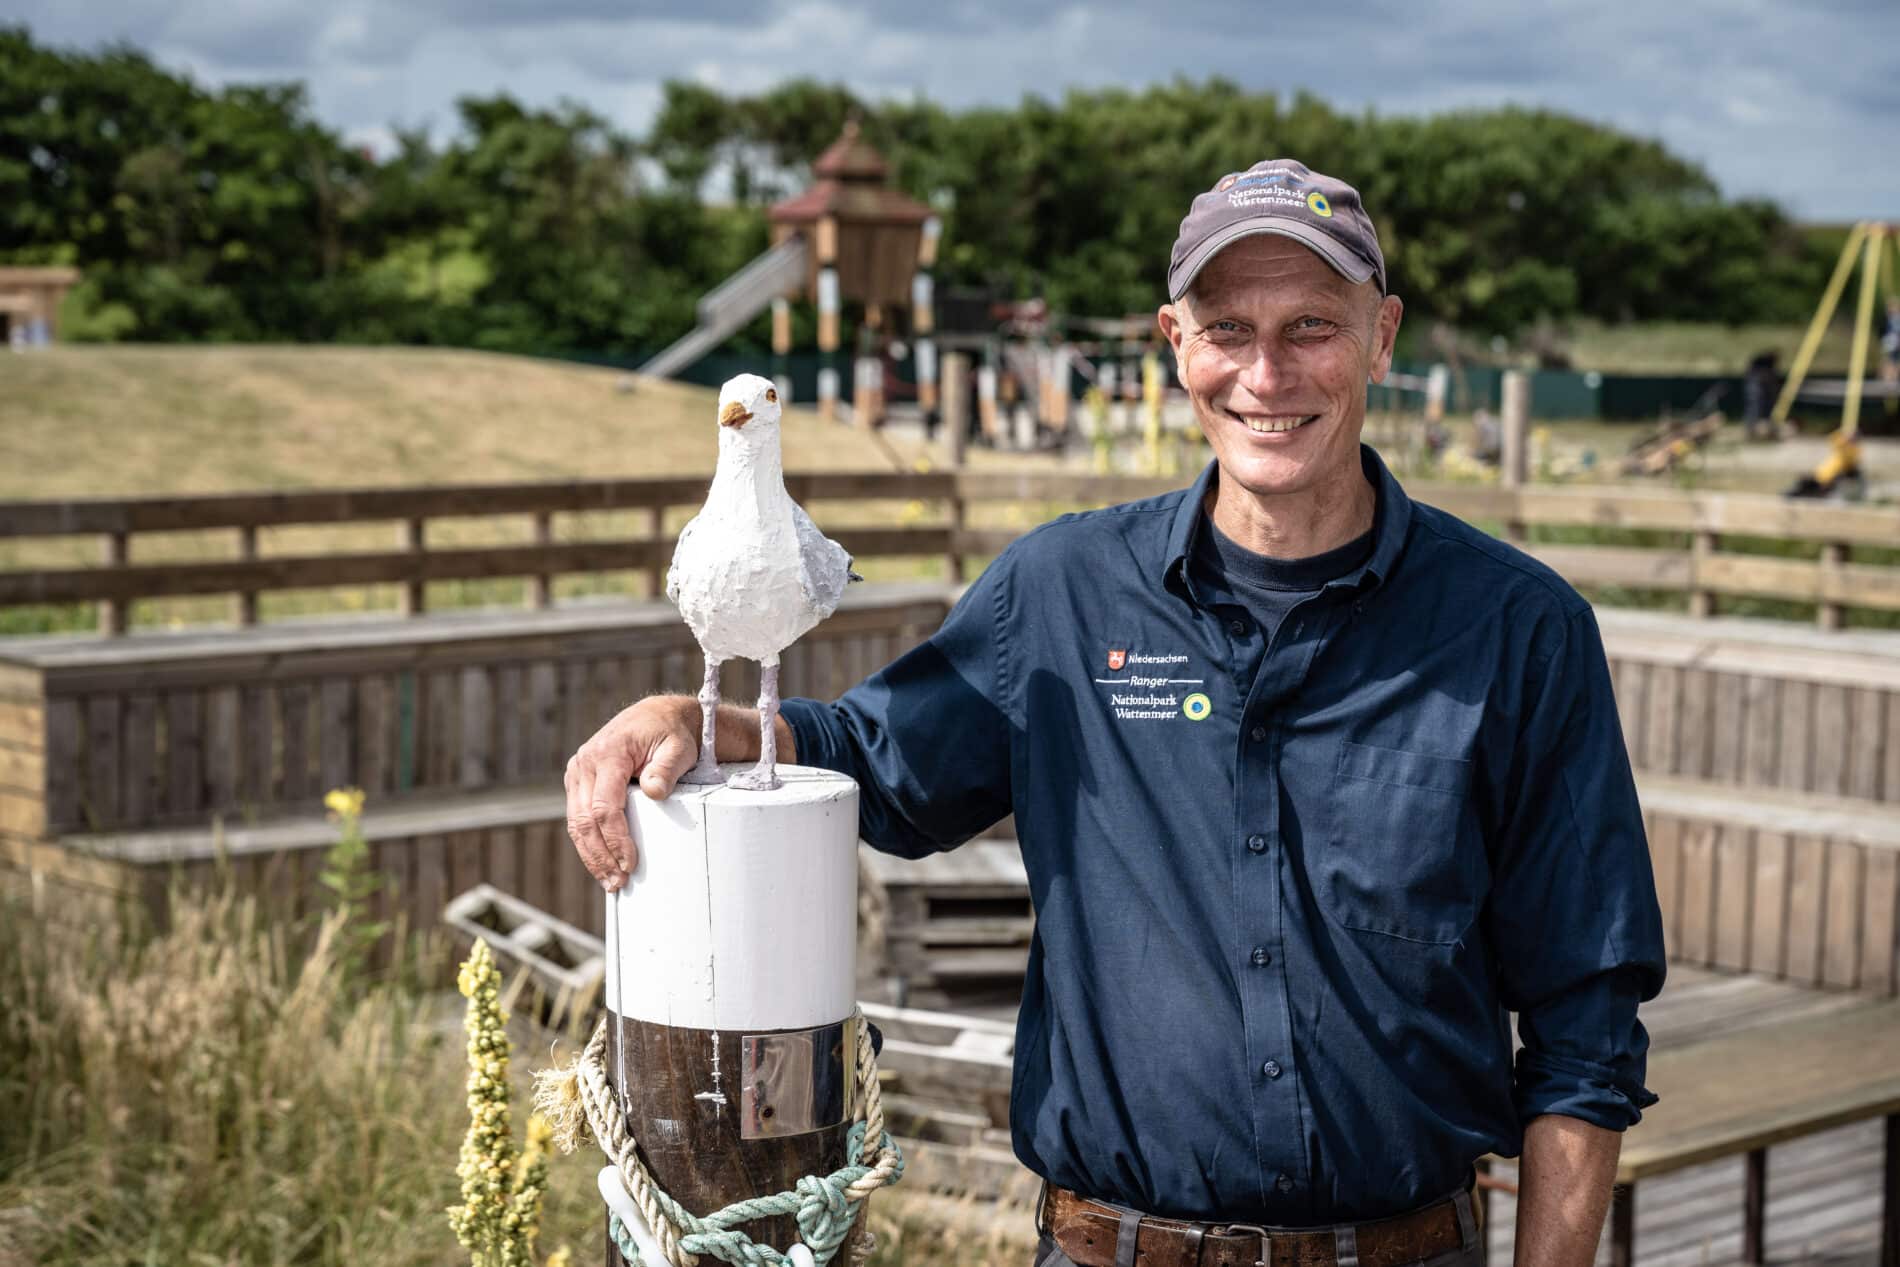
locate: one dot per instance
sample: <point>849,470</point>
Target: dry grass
<point>213,1093</point>
<point>125,420</point>
<point>223,1092</point>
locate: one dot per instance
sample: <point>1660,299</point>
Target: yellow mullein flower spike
<point>500,1211</point>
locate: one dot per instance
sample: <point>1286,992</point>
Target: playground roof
<point>851,204</point>
<point>850,186</point>
<point>851,157</point>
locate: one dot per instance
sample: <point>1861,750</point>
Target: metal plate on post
<point>797,1081</point>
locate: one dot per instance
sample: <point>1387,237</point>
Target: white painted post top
<point>741,913</point>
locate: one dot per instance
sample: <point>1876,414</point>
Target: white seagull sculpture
<point>751,573</point>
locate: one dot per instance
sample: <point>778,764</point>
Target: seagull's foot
<point>760,778</point>
<point>704,774</point>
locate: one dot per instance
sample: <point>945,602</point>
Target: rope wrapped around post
<point>579,1101</point>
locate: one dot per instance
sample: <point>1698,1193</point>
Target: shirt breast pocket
<point>1394,861</point>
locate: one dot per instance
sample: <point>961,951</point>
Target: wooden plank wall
<point>1795,726</point>
<point>123,741</point>
<point>134,744</point>
<point>1815,908</point>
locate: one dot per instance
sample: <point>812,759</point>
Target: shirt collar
<point>1392,520</point>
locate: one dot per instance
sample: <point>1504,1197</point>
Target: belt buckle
<point>1266,1246</point>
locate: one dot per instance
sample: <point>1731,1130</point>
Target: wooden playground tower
<point>869,243</point>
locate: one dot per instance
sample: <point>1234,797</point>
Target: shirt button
<point>1258,734</point>
<point>1272,1070</point>
<point>1284,1183</point>
<point>1260,960</point>
<point>1237,627</point>
<point>1257,843</point>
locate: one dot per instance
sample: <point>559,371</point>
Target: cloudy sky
<point>1798,100</point>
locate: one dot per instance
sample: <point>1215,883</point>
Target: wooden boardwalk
<point>1823,1189</point>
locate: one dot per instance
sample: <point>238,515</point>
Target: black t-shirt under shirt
<point>1270,588</point>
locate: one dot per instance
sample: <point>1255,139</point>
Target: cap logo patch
<point>1226,183</point>
<point>1316,201</point>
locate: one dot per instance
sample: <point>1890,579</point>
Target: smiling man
<point>1314,785</point>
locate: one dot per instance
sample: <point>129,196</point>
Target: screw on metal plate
<point>797,1081</point>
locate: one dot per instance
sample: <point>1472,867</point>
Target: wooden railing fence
<point>1699,566</point>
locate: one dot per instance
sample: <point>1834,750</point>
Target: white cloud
<point>1742,86</point>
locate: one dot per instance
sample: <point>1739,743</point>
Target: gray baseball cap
<point>1278,195</point>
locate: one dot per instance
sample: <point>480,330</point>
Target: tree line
<point>233,214</point>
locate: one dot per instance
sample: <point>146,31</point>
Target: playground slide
<point>734,302</point>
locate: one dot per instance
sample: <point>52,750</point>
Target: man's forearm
<point>1563,1190</point>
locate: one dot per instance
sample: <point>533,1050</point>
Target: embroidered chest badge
<point>1150,687</point>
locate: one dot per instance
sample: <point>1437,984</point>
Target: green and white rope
<point>825,1206</point>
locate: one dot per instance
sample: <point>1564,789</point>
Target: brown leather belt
<point>1087,1232</point>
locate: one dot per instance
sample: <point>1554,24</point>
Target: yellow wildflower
<point>344,802</point>
<point>500,1211</point>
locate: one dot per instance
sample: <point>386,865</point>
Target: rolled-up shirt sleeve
<point>1573,913</point>
<point>927,737</point>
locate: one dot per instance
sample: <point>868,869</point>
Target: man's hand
<point>654,741</point>
<point>1563,1190</point>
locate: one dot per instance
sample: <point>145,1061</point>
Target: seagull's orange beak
<point>734,415</point>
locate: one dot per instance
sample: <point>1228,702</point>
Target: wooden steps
<point>955,924</point>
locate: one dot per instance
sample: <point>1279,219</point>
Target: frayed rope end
<point>557,1097</point>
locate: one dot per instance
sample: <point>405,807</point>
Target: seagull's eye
<point>771,396</point>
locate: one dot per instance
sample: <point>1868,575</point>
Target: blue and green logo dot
<point>1196,707</point>
<point>1317,201</point>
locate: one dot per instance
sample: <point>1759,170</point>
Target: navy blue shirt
<point>1284,895</point>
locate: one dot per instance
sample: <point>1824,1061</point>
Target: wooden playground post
<point>1514,461</point>
<point>1702,547</point>
<point>782,347</point>
<point>923,316</point>
<point>986,400</point>
<point>826,246</point>
<point>414,594</point>
<point>956,406</point>
<point>541,585</point>
<point>247,599</point>
<point>115,614</point>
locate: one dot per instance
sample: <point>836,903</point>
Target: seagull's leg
<point>763,777</point>
<point>707,768</point>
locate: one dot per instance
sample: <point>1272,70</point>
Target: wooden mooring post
<point>730,991</point>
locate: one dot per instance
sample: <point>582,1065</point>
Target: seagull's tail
<point>850,576</point>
